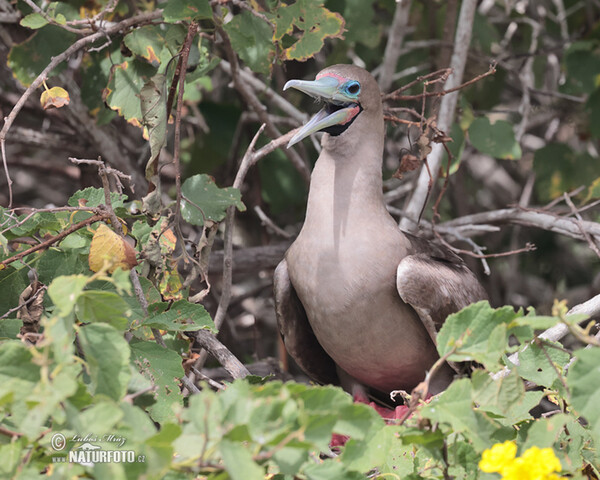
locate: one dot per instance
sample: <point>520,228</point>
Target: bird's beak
<point>339,109</point>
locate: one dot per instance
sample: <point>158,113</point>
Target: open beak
<point>339,109</point>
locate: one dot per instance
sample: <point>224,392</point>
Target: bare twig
<point>51,21</point>
<point>57,60</point>
<point>26,302</point>
<point>591,308</point>
<point>251,99</point>
<point>210,343</point>
<point>210,381</point>
<point>267,222</point>
<point>267,92</point>
<point>228,242</point>
<point>530,218</point>
<point>592,244</point>
<point>446,114</point>
<point>8,179</point>
<point>185,53</point>
<point>129,398</point>
<point>187,383</point>
<point>394,44</point>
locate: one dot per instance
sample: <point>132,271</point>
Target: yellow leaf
<point>108,249</point>
<point>167,241</point>
<point>56,97</point>
<point>170,285</point>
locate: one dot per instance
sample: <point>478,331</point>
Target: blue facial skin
<point>351,89</point>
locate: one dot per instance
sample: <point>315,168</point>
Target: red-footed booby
<point>358,301</point>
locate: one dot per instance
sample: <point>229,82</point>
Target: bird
<point>358,301</point>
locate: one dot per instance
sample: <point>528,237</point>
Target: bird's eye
<point>352,88</point>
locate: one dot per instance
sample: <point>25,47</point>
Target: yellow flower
<point>541,462</point>
<point>497,458</point>
<point>535,463</point>
<point>517,470</point>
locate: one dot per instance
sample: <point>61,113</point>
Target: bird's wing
<point>435,282</point>
<point>297,334</point>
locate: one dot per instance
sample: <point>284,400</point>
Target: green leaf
<point>33,21</point>
<point>559,169</point>
<point>11,455</point>
<point>64,292</point>
<point>108,307</point>
<point>162,367</point>
<point>124,87</point>
<point>594,190</point>
<point>540,363</point>
<point>478,332</point>
<point>363,455</point>
<point>289,460</point>
<point>94,197</point>
<point>582,62</point>
<point>582,379</point>
<point>16,363</point>
<point>456,148</point>
<point>330,470</point>
<point>186,10</point>
<point>12,284</point>
<point>44,222</point>
<point>107,357</point>
<point>239,463</point>
<point>327,399</point>
<point>28,59</point>
<point>44,400</point>
<point>497,140</point>
<point>282,186</point>
<point>154,43</point>
<point>592,106</point>
<point>210,201</point>
<point>455,407</point>
<point>99,419</point>
<point>504,397</point>
<point>154,112</point>
<point>544,432</point>
<point>358,420</point>
<point>182,316</point>
<point>360,26</point>
<point>314,22</point>
<point>10,328</point>
<point>251,38</point>
<point>152,296</point>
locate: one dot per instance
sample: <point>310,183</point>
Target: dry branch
<point>56,238</point>
<point>446,114</point>
<point>210,343</point>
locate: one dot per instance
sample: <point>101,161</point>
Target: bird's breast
<point>349,294</point>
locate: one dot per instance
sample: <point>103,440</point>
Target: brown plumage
<point>358,301</point>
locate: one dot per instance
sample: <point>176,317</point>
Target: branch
<point>590,308</point>
<point>446,114</point>
<point>270,94</point>
<point>183,61</point>
<point>530,218</point>
<point>251,99</point>
<point>57,238</point>
<point>58,59</point>
<point>394,44</point>
<point>210,343</point>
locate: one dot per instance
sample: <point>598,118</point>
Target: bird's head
<point>348,92</point>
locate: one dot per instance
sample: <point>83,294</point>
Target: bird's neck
<point>346,184</point>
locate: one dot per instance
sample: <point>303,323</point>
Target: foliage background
<point>82,351</point>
